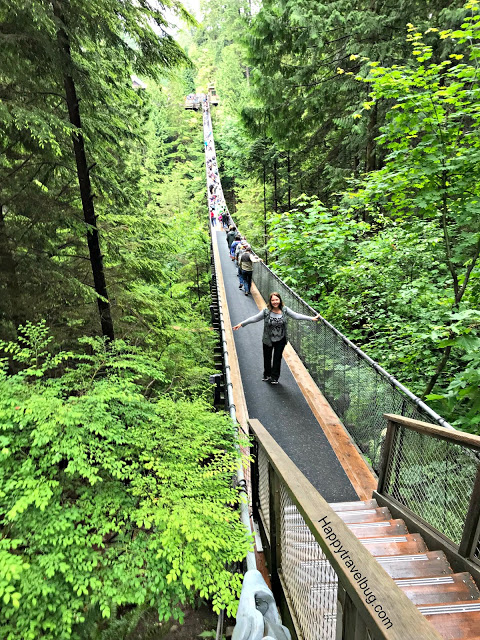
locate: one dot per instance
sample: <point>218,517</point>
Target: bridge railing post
<point>386,454</point>
<point>470,544</point>
<point>275,533</point>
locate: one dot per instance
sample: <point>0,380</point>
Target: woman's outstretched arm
<point>251,320</point>
<point>300,316</point>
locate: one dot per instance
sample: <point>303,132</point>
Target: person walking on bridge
<point>245,265</point>
<point>275,336</point>
<point>232,232</point>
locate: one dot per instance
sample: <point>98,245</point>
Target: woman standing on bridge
<point>274,333</point>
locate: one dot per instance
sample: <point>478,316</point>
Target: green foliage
<point>304,57</point>
<point>310,243</point>
<point>111,496</point>
<point>44,257</point>
<point>431,169</point>
<point>116,476</point>
<point>405,285</point>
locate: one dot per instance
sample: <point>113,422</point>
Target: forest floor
<point>200,622</point>
<point>197,624</point>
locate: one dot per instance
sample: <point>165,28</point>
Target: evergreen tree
<point>301,54</point>
<point>74,56</point>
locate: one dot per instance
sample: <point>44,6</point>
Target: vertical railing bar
<point>254,477</point>
<point>275,537</point>
<point>471,527</point>
<point>386,455</point>
<point>349,619</point>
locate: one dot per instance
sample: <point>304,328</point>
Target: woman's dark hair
<point>269,303</point>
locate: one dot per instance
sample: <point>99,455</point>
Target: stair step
<point>459,621</point>
<point>409,544</point>
<point>305,547</point>
<point>365,515</point>
<point>420,565</point>
<point>300,533</point>
<point>353,506</point>
<point>451,602</point>
<point>375,529</point>
<point>440,589</point>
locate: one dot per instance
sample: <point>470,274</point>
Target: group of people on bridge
<point>242,256</point>
<point>276,315</point>
<point>216,201</point>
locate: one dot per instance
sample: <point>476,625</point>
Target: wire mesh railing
<point>308,576</point>
<point>437,478</point>
<point>357,388</point>
<point>264,491</point>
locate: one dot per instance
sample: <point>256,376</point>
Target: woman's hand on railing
<point>237,326</point>
<point>317,317</point>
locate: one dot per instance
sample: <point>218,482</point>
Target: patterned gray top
<point>276,323</point>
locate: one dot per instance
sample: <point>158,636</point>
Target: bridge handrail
<point>432,475</point>
<point>322,562</point>
<point>230,404</point>
<point>391,379</point>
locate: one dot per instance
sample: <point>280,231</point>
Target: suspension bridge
<point>364,501</point>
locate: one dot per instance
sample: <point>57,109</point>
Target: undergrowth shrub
<point>110,497</point>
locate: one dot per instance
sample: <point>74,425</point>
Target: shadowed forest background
<point>349,153</point>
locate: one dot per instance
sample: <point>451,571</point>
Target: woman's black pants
<point>272,368</point>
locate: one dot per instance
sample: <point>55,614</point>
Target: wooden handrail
<point>467,439</point>
<point>335,538</point>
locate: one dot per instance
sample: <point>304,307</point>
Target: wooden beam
<point>467,439</point>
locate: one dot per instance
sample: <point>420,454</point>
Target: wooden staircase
<point>450,601</point>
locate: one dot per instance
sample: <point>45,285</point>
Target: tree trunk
<point>288,181</point>
<point>265,237</point>
<point>93,240</point>
<point>9,286</point>
<point>440,367</point>
<point>371,157</point>
<point>459,290</point>
<point>275,194</point>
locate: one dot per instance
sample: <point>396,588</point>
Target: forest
<point>348,141</point>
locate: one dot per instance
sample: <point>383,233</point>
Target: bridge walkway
<point>282,409</point>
